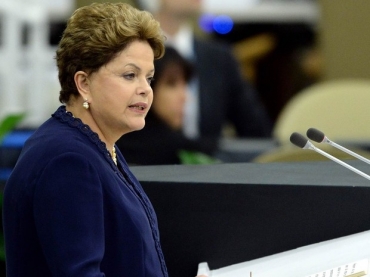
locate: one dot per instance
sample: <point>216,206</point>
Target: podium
<point>337,257</point>
<point>225,214</point>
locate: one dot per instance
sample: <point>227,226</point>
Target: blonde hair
<point>95,34</point>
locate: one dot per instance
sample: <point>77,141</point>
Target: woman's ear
<point>82,83</point>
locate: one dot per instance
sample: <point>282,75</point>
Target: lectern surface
<point>334,258</point>
<point>304,173</point>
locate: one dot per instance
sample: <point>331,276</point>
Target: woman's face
<point>170,95</point>
<point>120,91</point>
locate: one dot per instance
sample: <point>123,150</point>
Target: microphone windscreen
<point>298,139</point>
<point>315,135</point>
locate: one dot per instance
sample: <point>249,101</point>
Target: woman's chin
<point>133,127</point>
<point>138,127</point>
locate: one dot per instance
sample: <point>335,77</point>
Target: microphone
<point>302,142</point>
<point>320,137</point>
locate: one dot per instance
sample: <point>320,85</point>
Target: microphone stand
<point>300,141</point>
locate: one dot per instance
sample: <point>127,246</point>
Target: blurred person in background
<point>161,141</point>
<point>218,93</point>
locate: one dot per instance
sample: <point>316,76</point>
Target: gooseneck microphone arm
<point>300,141</point>
<point>320,137</point>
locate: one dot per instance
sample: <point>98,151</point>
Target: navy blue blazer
<point>70,211</point>
<point>225,95</point>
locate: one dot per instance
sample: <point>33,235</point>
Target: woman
<point>71,206</point>
<point>162,140</point>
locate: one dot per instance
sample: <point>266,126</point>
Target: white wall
<point>28,75</point>
<point>265,10</point>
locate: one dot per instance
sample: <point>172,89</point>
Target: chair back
<point>339,108</point>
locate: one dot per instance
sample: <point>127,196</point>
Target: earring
<point>86,104</point>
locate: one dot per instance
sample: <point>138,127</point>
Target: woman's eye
<point>129,76</point>
<point>150,80</point>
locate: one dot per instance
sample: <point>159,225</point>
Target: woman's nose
<point>144,87</point>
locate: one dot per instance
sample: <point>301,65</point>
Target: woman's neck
<point>86,117</point>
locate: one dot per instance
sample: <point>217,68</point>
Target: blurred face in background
<point>182,8</point>
<point>170,95</point>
